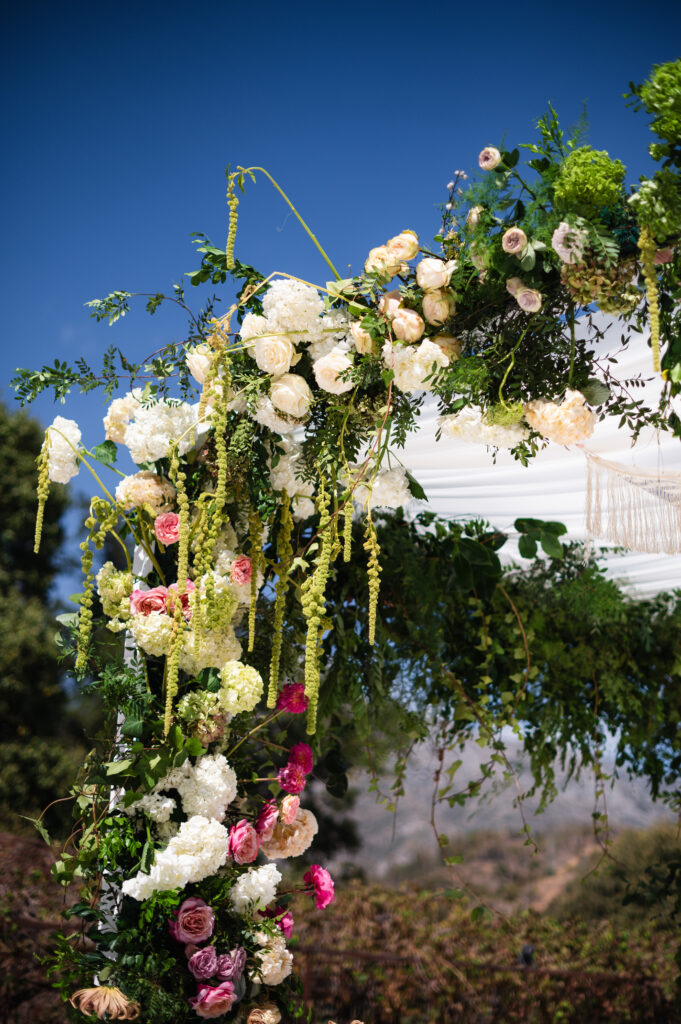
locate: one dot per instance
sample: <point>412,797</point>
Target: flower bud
<point>432,273</point>
<point>513,284</point>
<point>389,304</point>
<point>362,340</point>
<point>438,306</point>
<point>408,325</point>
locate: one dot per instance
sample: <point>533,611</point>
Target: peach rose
<point>403,246</point>
<point>389,304</point>
<point>408,325</point>
<point>362,340</point>
<point>438,306</point>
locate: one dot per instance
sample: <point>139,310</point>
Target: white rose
<point>327,371</point>
<point>362,340</point>
<point>274,354</point>
<point>403,246</point>
<point>432,273</point>
<point>438,306</point>
<point>198,363</point>
<point>408,325</point>
<point>291,394</point>
<point>381,261</point>
<point>389,304</point>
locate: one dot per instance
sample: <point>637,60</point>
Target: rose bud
<point>432,273</point>
<point>438,306</point>
<point>362,340</point>
<point>389,304</point>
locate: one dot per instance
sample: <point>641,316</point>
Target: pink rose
<point>290,806</point>
<point>144,602</point>
<point>292,699</point>
<point>513,285</point>
<point>489,158</point>
<point>190,587</point>
<point>663,256</point>
<point>243,842</point>
<point>528,299</point>
<point>266,821</point>
<point>301,754</point>
<point>292,778</point>
<point>203,963</point>
<point>167,528</point>
<point>514,241</point>
<point>284,919</point>
<point>213,1001</point>
<point>194,921</point>
<point>319,879</point>
<point>231,965</point>
<point>241,570</point>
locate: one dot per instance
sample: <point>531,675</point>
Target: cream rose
<point>381,261</point>
<point>514,241</point>
<point>291,395</point>
<point>327,372</point>
<point>432,273</point>
<point>489,158</point>
<point>438,306</point>
<point>389,304</point>
<point>274,354</point>
<point>198,362</point>
<point>403,246</point>
<point>362,340</point>
<point>408,325</point>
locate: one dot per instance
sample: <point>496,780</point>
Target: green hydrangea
<point>661,97</point>
<point>658,204</point>
<point>114,588</point>
<point>588,180</point>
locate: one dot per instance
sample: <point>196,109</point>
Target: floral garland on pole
<point>300,416</point>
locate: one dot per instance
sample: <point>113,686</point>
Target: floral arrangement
<point>285,424</point>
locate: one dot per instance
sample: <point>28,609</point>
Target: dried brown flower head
<point>105,1002</point>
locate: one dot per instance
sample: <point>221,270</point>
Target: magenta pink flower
<point>184,598</point>
<point>213,1001</point>
<point>203,964</point>
<point>292,778</point>
<point>193,922</point>
<point>292,699</point>
<point>301,754</point>
<point>319,879</point>
<point>284,919</point>
<point>231,965</point>
<point>289,808</point>
<point>144,602</point>
<point>241,570</point>
<point>167,528</point>
<point>243,842</point>
<point>266,820</point>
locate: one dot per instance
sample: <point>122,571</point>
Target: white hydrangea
<point>302,508</point>
<point>155,805</point>
<point>206,788</point>
<point>152,632</point>
<point>119,414</point>
<point>149,435</point>
<point>390,489</point>
<point>217,646</point>
<point>294,307</point>
<point>241,687</point>
<point>63,438</point>
<point>285,475</point>
<point>469,424</point>
<point>267,416</point>
<point>146,488</point>
<point>198,850</point>
<point>568,423</point>
<point>291,840</point>
<point>255,889</point>
<point>335,334</point>
<point>413,363</point>
<point>276,963</point>
<point>254,326</point>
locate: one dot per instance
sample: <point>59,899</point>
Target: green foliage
<point>588,180</point>
<point>661,97</point>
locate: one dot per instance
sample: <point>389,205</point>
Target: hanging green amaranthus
<point>371,546</point>
<point>43,490</point>
<point>179,479</point>
<point>233,204</point>
<point>255,537</point>
<point>313,604</point>
<point>646,244</point>
<point>86,598</point>
<point>285,556</point>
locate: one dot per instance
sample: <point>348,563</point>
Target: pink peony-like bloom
<point>301,754</point>
<point>290,806</point>
<point>243,843</point>
<point>184,598</point>
<point>144,602</point>
<point>528,299</point>
<point>663,256</point>
<point>292,699</point>
<point>283,917</point>
<point>319,879</point>
<point>266,820</point>
<point>213,1001</point>
<point>203,963</point>
<point>193,922</point>
<point>167,528</point>
<point>514,241</point>
<point>241,570</point>
<point>292,778</point>
<point>231,965</point>
<point>489,158</point>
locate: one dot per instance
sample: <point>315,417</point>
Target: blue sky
<point>120,118</point>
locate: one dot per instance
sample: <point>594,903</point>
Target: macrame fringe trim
<point>634,508</point>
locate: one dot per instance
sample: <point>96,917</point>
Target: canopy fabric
<point>462,480</point>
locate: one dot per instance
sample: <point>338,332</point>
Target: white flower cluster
<point>63,436</point>
<point>335,334</point>
<point>291,840</point>
<point>152,632</point>
<point>413,363</point>
<point>146,488</point>
<point>470,425</point>
<point>114,588</point>
<point>267,416</point>
<point>155,805</point>
<point>197,851</point>
<point>206,789</point>
<point>284,477</point>
<point>149,434</point>
<point>241,687</point>
<point>217,646</point>
<point>276,963</point>
<point>119,414</point>
<point>568,423</point>
<point>390,489</point>
<point>294,307</point>
<point>255,888</point>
